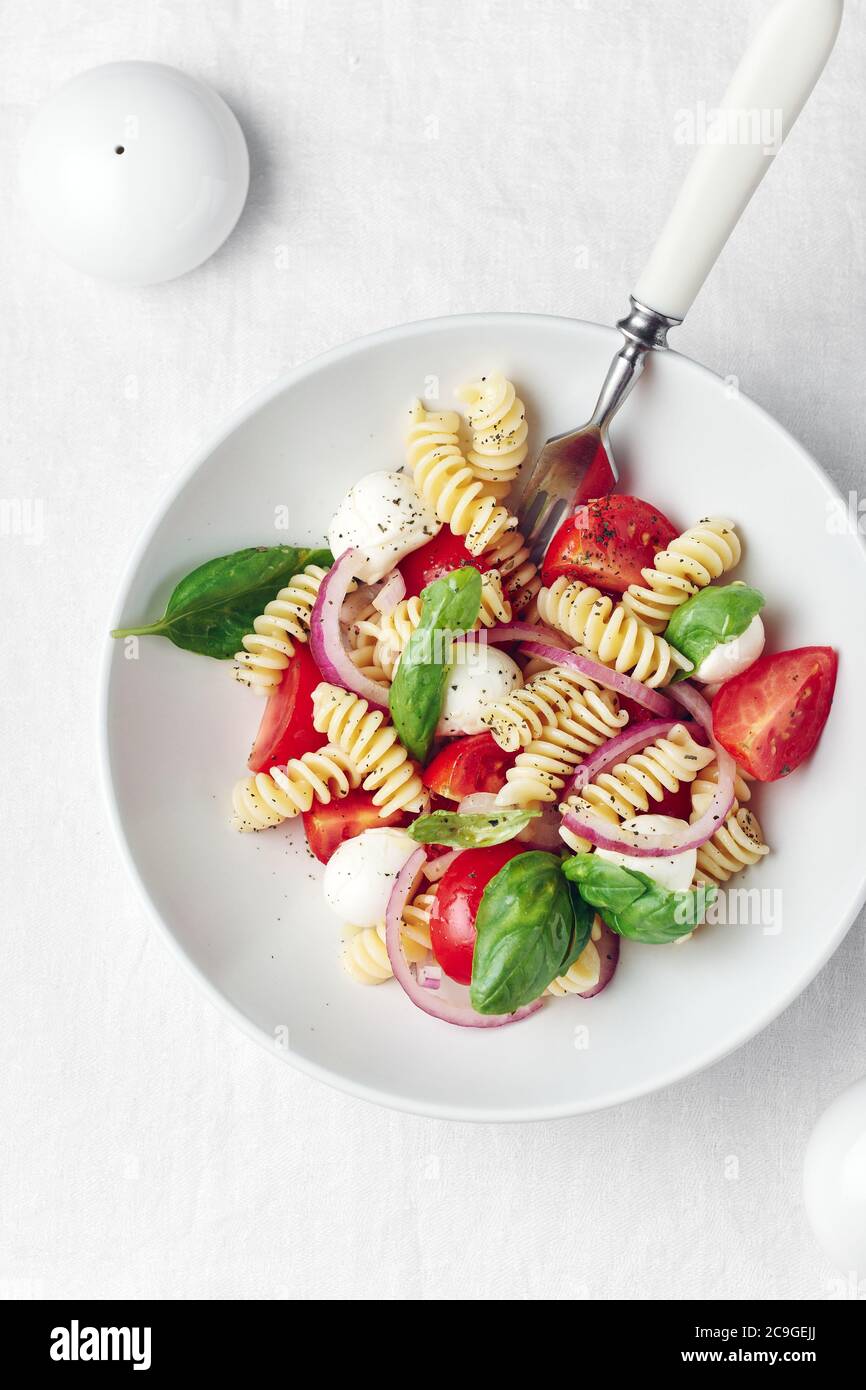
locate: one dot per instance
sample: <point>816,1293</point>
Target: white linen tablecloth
<point>408,160</point>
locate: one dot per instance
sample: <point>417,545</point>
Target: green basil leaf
<point>214,607</point>
<point>632,904</point>
<point>448,606</point>
<point>525,933</point>
<point>470,830</point>
<point>711,617</point>
<point>584,915</point>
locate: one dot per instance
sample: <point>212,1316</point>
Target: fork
<point>764,98</point>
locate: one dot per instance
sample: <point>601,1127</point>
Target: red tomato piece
<point>607,542</point>
<point>286,730</point>
<point>637,713</point>
<point>475,763</point>
<point>327,826</point>
<point>452,921</point>
<point>439,556</point>
<point>770,716</point>
<point>678,803</point>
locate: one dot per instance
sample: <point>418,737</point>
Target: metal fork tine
<point>545,528</point>
<point>528,517</point>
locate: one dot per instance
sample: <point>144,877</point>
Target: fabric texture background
<point>408,160</point>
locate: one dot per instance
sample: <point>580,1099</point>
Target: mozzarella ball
<point>385,518</point>
<point>481,677</point>
<point>730,658</point>
<point>674,873</point>
<point>361,873</point>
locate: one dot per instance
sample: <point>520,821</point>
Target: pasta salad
<point>504,770</point>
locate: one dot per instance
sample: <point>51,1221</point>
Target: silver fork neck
<point>646,327</point>
<point>643,330</point>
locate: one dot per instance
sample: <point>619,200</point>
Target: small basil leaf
<point>214,607</point>
<point>525,932</point>
<point>448,606</point>
<point>594,875</point>
<point>711,617</point>
<point>584,915</point>
<point>470,830</point>
<point>634,905</point>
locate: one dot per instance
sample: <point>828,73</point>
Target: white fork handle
<point>765,97</point>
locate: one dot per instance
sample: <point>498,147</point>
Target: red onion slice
<point>520,632</point>
<point>608,953</point>
<point>479,803</point>
<point>356,602</point>
<point>426,999</point>
<point>616,750</point>
<point>653,845</point>
<point>602,675</point>
<point>326,638</point>
<point>434,869</point>
<point>391,592</point>
<point>723,796</point>
<point>542,832</point>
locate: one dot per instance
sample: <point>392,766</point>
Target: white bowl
<point>246,912</point>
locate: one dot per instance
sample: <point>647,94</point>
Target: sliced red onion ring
<point>356,602</point>
<point>326,638</point>
<point>479,803</point>
<point>542,832</point>
<point>426,999</point>
<point>654,845</point>
<point>616,750</point>
<point>519,632</point>
<point>435,868</point>
<point>391,592</point>
<point>608,953</point>
<point>602,675</point>
<point>707,824</point>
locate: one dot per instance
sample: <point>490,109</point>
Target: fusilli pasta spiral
<point>269,648</point>
<point>365,955</point>
<point>497,419</point>
<point>690,562</point>
<point>547,761</point>
<point>371,743</point>
<point>553,695</point>
<point>738,843</point>
<point>266,799</point>
<point>606,632</point>
<point>393,632</point>
<point>448,484</point>
<point>362,645</point>
<point>509,555</point>
<point>585,971</point>
<point>628,788</point>
<point>495,607</point>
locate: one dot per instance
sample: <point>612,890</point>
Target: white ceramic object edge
<point>134,172</point>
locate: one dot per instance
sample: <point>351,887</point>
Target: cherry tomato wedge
<point>607,542</point>
<point>452,921</point>
<point>678,803</point>
<point>637,713</point>
<point>326,827</point>
<point>286,730</point>
<point>472,764</point>
<point>444,553</point>
<point>770,717</point>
